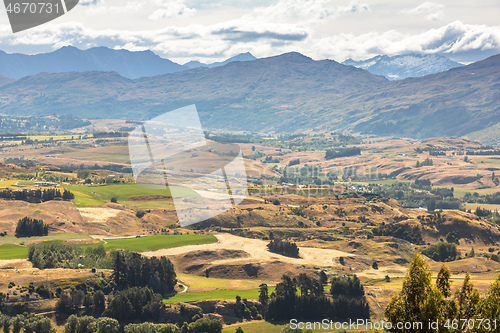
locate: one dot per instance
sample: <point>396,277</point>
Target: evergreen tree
<point>263,294</point>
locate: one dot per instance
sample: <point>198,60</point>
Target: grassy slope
<point>86,196</point>
<point>13,251</point>
<point>214,295</point>
<point>14,240</point>
<point>152,243</point>
<point>195,281</point>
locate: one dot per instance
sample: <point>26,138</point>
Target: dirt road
<point>257,250</point>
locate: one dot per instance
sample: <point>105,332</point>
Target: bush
<point>205,325</point>
<point>140,213</point>
<point>114,199</point>
<point>442,252</point>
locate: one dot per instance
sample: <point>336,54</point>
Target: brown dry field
<point>256,250</point>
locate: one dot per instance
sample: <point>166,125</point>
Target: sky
<point>209,31</point>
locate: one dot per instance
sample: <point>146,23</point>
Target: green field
<point>13,251</point>
<point>152,243</point>
<point>15,240</point>
<point>214,295</point>
<point>10,248</point>
<point>87,196</point>
<point>215,283</point>
<point>218,295</point>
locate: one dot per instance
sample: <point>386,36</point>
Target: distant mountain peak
<point>406,65</point>
<point>294,56</point>
<point>130,64</point>
<point>247,56</point>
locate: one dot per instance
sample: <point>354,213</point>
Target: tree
<point>206,325</point>
<point>6,323</point>
<point>99,303</point>
<point>286,288</point>
<point>263,294</point>
<point>27,227</point>
<point>375,265</point>
<point>443,281</point>
<point>467,297</point>
<point>83,174</point>
<point>489,306</point>
<point>107,325</point>
<point>322,277</point>
<point>239,330</point>
<point>65,303</point>
<point>418,300</point>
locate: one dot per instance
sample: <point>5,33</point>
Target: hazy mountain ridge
<point>70,59</point>
<point>281,94</point>
<point>130,64</point>
<point>240,57</point>
<point>405,66</point>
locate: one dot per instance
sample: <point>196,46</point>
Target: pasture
<point>157,242</point>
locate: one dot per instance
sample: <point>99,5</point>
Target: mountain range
<point>240,57</point>
<point>129,64</point>
<point>281,94</point>
<point>404,66</point>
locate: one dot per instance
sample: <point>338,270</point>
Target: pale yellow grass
<point>257,250</point>
<point>98,214</point>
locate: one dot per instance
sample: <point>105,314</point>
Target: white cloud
<point>171,9</point>
<point>454,38</point>
<point>432,11</point>
<point>305,10</point>
<point>130,7</point>
<point>214,42</point>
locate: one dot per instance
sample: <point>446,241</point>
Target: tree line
<point>312,303</point>
<point>29,323</point>
<point>421,301</point>
<point>36,196</point>
<point>53,254</point>
<point>28,227</point>
<point>285,248</point>
<point>131,269</point>
<point>342,152</point>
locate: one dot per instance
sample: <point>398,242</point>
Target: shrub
<point>442,252</point>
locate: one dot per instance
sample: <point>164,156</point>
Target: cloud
<point>454,39</point>
<point>215,42</point>
<point>130,7</point>
<point>245,31</point>
<point>432,11</point>
<point>171,9</point>
<point>305,10</point>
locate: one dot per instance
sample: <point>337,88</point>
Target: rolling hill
<point>282,94</point>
